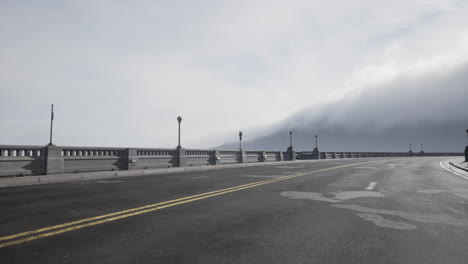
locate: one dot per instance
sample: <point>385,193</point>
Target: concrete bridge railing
<point>30,160</point>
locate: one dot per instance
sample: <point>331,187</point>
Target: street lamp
<point>179,119</point>
<point>290,139</point>
<point>240,140</point>
<point>316,145</point>
<point>466,149</point>
<point>51,124</point>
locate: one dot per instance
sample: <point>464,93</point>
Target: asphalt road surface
<point>407,210</point>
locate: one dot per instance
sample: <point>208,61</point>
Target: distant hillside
<point>429,109</point>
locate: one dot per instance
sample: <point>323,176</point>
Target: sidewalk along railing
<point>29,160</point>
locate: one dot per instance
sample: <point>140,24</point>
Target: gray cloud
<point>413,108</point>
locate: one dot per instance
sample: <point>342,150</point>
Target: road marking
<point>447,169</point>
<point>371,186</point>
<point>79,224</point>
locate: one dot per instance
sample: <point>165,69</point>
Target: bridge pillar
<point>291,153</point>
<point>54,160</point>
<point>242,156</point>
<point>466,154</point>
<point>132,159</point>
<point>315,153</point>
<point>181,159</point>
<point>217,157</point>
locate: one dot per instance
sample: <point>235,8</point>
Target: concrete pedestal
<point>291,153</point>
<point>466,154</point>
<point>54,160</point>
<point>181,159</point>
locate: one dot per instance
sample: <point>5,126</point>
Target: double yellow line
<point>92,221</point>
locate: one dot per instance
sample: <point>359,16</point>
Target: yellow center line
<point>150,208</point>
<point>112,214</point>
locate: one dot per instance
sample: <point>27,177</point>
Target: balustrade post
<point>242,156</point>
<point>132,158</point>
<point>53,160</point>
<point>217,157</point>
<point>180,157</point>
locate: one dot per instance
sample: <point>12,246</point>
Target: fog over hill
<point>415,107</point>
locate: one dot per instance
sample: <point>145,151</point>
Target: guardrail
<point>30,160</point>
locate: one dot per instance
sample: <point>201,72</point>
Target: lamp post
<point>179,119</point>
<point>290,139</point>
<point>466,148</point>
<point>51,124</point>
<point>315,153</point>
<point>240,140</point>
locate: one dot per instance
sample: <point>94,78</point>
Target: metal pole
<point>466,148</point>
<point>409,147</point>
<point>290,138</point>
<point>51,124</point>
<point>316,145</point>
<point>240,140</point>
<point>179,119</point>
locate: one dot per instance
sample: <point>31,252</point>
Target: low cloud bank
<point>414,107</point>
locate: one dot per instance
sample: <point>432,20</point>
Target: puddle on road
<point>339,197</point>
<point>382,222</point>
<point>357,194</point>
<point>409,216</point>
<point>375,215</point>
<point>308,196</point>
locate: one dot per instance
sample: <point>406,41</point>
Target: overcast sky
<point>120,72</point>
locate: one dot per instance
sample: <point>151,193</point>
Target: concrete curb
<point>458,167</point>
<point>86,176</point>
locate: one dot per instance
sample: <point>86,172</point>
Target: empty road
<point>385,210</point>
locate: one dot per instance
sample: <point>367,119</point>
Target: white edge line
<point>456,173</point>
